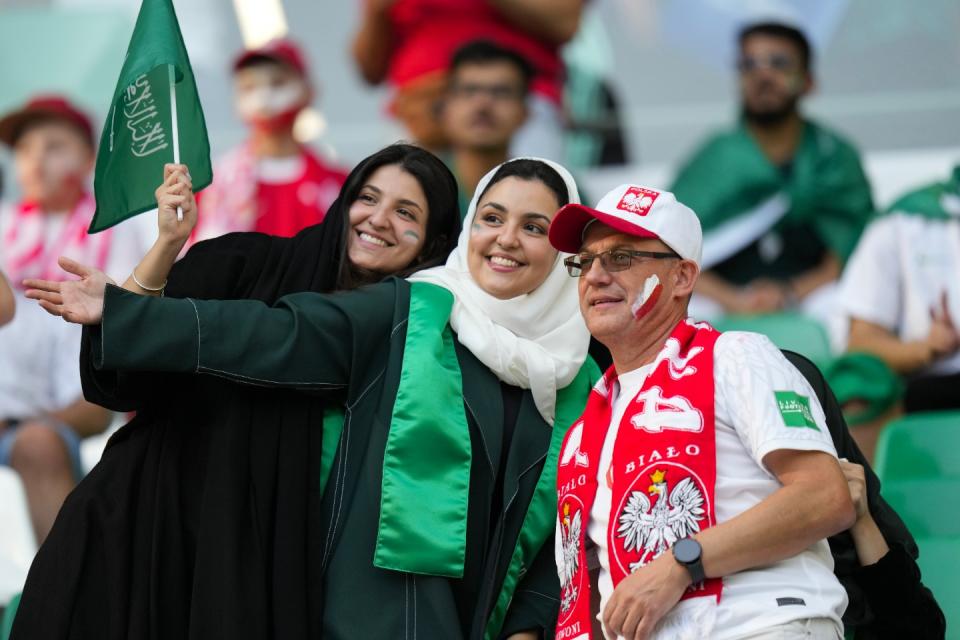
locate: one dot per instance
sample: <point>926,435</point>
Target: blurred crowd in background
<point>820,148</point>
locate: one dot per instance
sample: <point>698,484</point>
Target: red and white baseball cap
<point>44,107</point>
<point>282,50</point>
<point>639,211</point>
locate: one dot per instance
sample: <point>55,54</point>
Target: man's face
<point>619,302</point>
<point>52,160</point>
<point>485,105</point>
<point>772,78</point>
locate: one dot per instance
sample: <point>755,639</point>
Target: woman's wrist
<point>169,247</point>
<point>868,540</point>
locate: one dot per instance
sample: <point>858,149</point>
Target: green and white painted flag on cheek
<point>795,410</point>
<point>155,118</point>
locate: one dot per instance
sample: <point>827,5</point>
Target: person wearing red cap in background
<point>42,411</point>
<point>409,43</point>
<point>271,183</point>
<point>702,468</point>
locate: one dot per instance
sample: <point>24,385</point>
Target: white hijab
<point>536,341</point>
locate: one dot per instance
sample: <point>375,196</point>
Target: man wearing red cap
<point>702,469</point>
<point>42,411</point>
<point>271,183</point>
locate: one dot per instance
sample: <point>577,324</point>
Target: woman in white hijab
<point>457,387</point>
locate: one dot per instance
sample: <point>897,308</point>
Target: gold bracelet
<point>133,274</point>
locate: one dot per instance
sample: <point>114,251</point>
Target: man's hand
<point>644,597</point>
<point>943,338</point>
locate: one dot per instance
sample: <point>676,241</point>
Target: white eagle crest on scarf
<point>654,530</point>
<point>568,558</point>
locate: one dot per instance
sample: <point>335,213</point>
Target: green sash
<point>933,201</point>
<point>731,178</point>
<point>541,514</point>
<point>426,464</point>
<point>332,430</point>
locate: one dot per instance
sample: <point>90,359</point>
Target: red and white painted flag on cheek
<point>648,298</point>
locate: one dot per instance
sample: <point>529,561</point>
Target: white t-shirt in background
<point>748,369</point>
<point>898,273</point>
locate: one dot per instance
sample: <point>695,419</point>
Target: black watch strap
<point>687,552</point>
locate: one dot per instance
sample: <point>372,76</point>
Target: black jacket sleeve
<point>222,268</point>
<point>536,602</point>
<point>902,607</point>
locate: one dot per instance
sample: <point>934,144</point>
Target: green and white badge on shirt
<point>795,410</point>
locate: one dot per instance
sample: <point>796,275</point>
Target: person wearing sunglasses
<point>782,199</point>
<point>702,463</point>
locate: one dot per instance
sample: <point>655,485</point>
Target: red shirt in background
<point>286,208</point>
<point>428,32</point>
<point>245,197</point>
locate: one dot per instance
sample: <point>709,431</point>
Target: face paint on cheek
<point>411,237</point>
<point>475,228</point>
<point>648,298</point>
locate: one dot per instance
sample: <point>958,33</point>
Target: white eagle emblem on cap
<point>637,200</point>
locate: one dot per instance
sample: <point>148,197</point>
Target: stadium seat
<point>939,566</point>
<point>791,331</point>
<point>920,445</point>
<point>928,506</point>
<point>6,621</point>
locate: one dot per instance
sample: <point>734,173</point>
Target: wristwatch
<point>687,553</point>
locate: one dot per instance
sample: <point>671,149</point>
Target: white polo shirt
<point>748,370</point>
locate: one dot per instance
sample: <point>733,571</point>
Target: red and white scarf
<point>662,476</point>
<point>29,251</point>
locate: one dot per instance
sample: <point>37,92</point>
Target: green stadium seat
<point>939,566</point>
<point>791,331</point>
<point>920,445</point>
<point>930,507</point>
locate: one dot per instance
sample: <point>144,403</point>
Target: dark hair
<point>527,169</point>
<point>779,30</point>
<point>443,218</point>
<point>481,52</point>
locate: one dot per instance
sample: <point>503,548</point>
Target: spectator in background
<point>485,104</point>
<point>43,414</point>
<point>409,43</point>
<point>270,183</point>
<point>7,303</point>
<point>902,293</point>
<point>782,199</point>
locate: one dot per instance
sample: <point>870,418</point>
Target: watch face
<point>686,551</point>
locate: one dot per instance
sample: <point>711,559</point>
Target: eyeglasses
<point>612,261</point>
<point>777,62</point>
<point>497,92</point>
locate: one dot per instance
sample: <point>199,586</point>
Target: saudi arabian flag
<point>155,118</point>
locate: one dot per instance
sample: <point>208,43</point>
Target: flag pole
<point>174,128</point>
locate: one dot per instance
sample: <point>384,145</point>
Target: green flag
<point>155,118</point>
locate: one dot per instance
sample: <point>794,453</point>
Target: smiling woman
<point>388,221</point>
<point>440,500</point>
<point>203,518</point>
<point>509,253</point>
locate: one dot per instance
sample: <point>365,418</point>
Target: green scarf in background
<point>938,201</point>
<point>729,180</point>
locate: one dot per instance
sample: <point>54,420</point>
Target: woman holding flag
<point>203,519</point>
<point>458,384</point>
